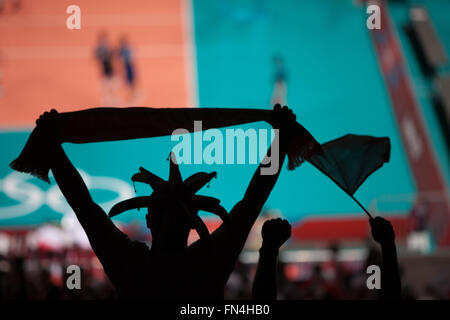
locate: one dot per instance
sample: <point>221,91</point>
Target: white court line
<point>190,54</point>
<point>7,128</point>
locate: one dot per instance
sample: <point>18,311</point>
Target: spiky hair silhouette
<point>175,189</point>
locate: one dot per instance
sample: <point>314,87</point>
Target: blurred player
<point>127,61</point>
<point>104,55</point>
<point>15,4</point>
<point>279,95</point>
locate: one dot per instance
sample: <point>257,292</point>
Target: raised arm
<point>275,232</point>
<point>102,233</point>
<point>383,233</point>
<point>230,237</point>
<point>243,215</point>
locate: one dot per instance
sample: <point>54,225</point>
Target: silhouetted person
<point>383,233</point>
<point>170,269</point>
<point>274,232</point>
<point>421,214</point>
<point>16,286</point>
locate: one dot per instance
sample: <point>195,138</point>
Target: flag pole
<point>367,212</point>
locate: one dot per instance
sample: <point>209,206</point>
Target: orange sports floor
<point>45,65</point>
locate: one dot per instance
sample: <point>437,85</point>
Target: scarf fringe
<point>35,170</point>
<point>302,148</point>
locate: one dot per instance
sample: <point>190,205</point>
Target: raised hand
<point>275,232</point>
<point>283,117</point>
<point>48,120</point>
<point>48,125</point>
<point>382,231</point>
<point>284,120</point>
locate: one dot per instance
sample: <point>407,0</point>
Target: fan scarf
<point>112,124</point>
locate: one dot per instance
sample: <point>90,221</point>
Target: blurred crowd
<point>42,275</point>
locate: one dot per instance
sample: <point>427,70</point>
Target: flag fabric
<point>351,159</point>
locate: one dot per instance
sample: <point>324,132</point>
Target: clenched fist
<point>382,231</point>
<point>275,232</point>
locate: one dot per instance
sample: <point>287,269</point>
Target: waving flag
<point>351,159</point>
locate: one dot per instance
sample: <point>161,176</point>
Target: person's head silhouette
<point>173,206</point>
